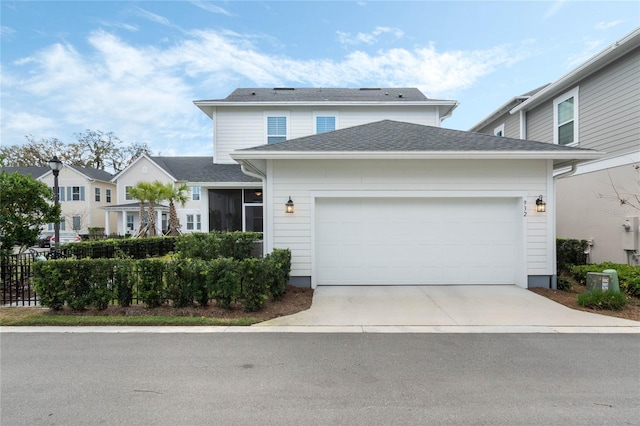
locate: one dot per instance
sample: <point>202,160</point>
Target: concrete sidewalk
<point>440,306</point>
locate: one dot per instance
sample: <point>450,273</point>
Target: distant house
<point>220,196</point>
<point>82,191</point>
<point>595,106</point>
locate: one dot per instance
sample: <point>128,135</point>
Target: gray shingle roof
<point>34,171</point>
<point>201,169</point>
<point>92,173</point>
<point>396,94</point>
<point>395,136</point>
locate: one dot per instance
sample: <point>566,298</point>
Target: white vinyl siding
<point>237,128</point>
<point>565,118</point>
<point>299,179</point>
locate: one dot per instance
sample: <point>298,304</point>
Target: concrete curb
<point>418,329</point>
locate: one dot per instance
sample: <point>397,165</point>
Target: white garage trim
<point>520,238</point>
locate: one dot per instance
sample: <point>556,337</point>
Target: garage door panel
<point>415,241</point>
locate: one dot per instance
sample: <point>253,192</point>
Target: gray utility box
<point>598,281</point>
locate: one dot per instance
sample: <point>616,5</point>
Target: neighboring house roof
<point>394,139</point>
<point>328,97</point>
<point>34,171</point>
<point>613,52</point>
<point>37,171</point>
<point>91,173</point>
<point>132,206</point>
<point>201,169</point>
<point>290,94</point>
<point>508,106</point>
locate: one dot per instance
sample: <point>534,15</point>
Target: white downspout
<point>554,277</point>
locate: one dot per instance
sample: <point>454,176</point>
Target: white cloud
<point>145,93</point>
<point>606,25</point>
<point>210,7</point>
<point>6,31</point>
<point>554,9</point>
<point>591,47</point>
<point>367,38</point>
<point>153,17</point>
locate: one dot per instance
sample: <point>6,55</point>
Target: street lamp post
<point>56,165</point>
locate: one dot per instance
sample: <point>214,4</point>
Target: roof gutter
<point>249,170</point>
<point>600,60</point>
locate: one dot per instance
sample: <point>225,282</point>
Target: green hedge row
<point>207,246</point>
<point>81,283</point>
<point>570,252</point>
<point>629,276</point>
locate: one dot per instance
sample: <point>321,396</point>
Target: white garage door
<point>404,241</point>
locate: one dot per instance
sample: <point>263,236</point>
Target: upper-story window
<point>195,193</point>
<point>75,193</point>
<point>97,195</point>
<point>107,194</point>
<point>499,131</point>
<point>565,118</point>
<point>277,127</point>
<point>325,122</point>
<point>127,192</point>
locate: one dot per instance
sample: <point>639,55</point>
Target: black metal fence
<point>16,280</point>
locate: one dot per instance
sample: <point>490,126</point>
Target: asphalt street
<point>319,379</point>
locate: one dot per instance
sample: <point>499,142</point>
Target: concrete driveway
<point>440,306</point>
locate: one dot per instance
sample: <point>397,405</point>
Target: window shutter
<point>82,193</point>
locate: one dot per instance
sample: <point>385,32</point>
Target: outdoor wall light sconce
<point>541,206</point>
<point>289,206</point>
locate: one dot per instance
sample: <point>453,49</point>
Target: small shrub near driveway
<point>597,299</point>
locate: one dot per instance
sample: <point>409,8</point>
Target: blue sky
<point>135,67</point>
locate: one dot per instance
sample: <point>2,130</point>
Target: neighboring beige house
<point>218,195</point>
<point>595,106</point>
<point>83,190</point>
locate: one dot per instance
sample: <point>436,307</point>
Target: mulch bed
<point>296,299</point>
<point>570,299</point>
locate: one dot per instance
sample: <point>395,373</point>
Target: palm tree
<point>151,193</point>
<point>174,194</point>
<point>138,193</point>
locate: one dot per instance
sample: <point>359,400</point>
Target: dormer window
<point>499,131</point>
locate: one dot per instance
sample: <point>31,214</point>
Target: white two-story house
<point>595,106</point>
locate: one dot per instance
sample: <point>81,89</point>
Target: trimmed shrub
<point>50,284</point>
<point>124,281</point>
<point>603,300</point>
<point>570,252</point>
<point>279,269</point>
<point>223,281</point>
<point>151,285</point>
<point>253,284</point>
<point>564,284</point>
<point>628,275</point>
<point>207,246</point>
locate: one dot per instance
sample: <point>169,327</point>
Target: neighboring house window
<point>565,118</point>
<point>129,222</point>
<point>62,225</point>
<point>325,123</point>
<point>195,193</point>
<point>75,193</point>
<point>127,192</point>
<point>198,222</point>
<point>76,223</point>
<point>499,131</point>
<point>253,210</point>
<point>189,222</point>
<point>107,194</point>
<point>276,129</point>
<point>60,192</point>
<point>97,190</point>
